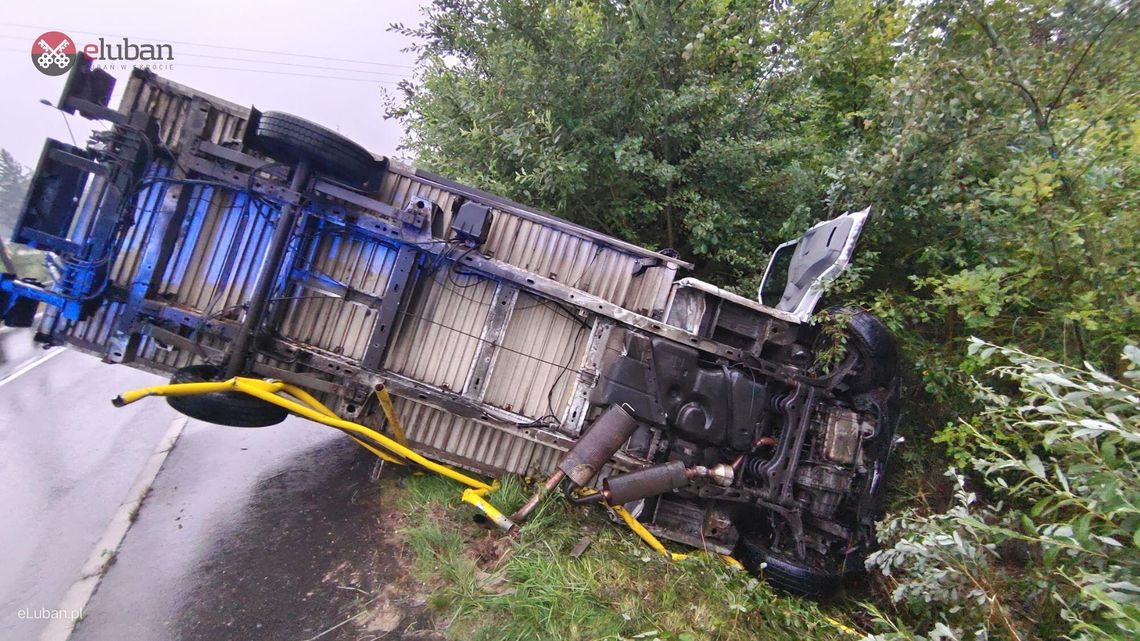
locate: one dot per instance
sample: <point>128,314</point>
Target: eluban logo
<point>54,53</point>
<point>127,50</point>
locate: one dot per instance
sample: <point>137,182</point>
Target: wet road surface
<point>255,534</point>
<point>275,533</point>
<point>69,458</point>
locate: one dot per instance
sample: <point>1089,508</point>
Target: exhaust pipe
<point>583,462</point>
<point>655,480</point>
<point>641,484</point>
<point>612,429</point>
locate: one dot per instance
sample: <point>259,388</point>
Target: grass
<point>486,586</point>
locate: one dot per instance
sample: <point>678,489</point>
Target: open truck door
<point>800,269</point>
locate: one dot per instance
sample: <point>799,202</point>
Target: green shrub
<point>1051,549</point>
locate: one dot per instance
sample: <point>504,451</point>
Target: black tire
<point>877,352</point>
<point>234,409</point>
<point>289,138</point>
<point>784,573</point>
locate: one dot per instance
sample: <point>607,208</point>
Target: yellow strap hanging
<point>390,414</point>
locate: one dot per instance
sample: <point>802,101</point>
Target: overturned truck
<point>202,239</point>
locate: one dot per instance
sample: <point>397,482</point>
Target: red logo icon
<point>54,53</point>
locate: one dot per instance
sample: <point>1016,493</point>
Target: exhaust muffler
<point>583,462</point>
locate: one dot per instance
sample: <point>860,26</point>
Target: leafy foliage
<point>1005,172</point>
<point>14,181</point>
<point>1058,557</point>
<point>677,125</point>
<point>13,185</point>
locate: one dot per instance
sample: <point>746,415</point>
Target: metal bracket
<point>333,287</point>
<point>239,180</point>
<point>498,317</point>
<point>297,378</point>
<point>160,243</point>
<point>178,341</point>
<point>395,291</point>
<point>588,371</point>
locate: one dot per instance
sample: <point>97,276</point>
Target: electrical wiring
<point>231,254</point>
<point>540,301</point>
<point>454,270</point>
<point>183,181</point>
<point>554,385</point>
<point>251,191</point>
<point>141,135</point>
<point>42,28</point>
<point>291,64</point>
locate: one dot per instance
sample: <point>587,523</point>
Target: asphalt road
<point>69,458</point>
<point>275,533</point>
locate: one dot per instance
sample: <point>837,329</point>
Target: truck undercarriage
<point>202,239</point>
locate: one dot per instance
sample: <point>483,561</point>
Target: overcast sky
<point>212,40</point>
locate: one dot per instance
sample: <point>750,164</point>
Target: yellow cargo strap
<point>390,414</point>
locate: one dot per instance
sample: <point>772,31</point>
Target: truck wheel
<point>289,138</point>
<point>877,355</point>
<point>783,573</point>
<point>222,408</point>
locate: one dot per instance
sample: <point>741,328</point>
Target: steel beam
<point>267,277</point>
<point>588,371</point>
<point>395,293</point>
<point>328,285</point>
<point>498,317</point>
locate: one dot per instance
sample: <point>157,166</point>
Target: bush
<point>1048,545</point>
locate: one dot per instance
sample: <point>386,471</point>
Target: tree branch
<point>1015,79</point>
<point>1073,72</point>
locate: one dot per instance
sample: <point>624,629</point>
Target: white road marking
<point>34,364</point>
<point>79,594</point>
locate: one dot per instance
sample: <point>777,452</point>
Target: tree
<point>1005,162</point>
<point>13,185</point>
<point>672,124</point>
<point>14,181</point>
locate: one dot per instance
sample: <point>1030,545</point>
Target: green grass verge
<point>489,587</point>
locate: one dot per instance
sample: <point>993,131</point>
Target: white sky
<point>355,30</point>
